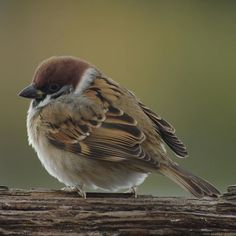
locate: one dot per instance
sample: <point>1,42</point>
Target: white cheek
<point>87,78</point>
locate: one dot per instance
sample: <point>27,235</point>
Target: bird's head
<point>57,76</point>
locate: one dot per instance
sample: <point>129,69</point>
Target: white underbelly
<point>74,170</point>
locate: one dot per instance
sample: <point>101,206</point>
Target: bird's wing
<point>90,126</point>
<point>166,132</point>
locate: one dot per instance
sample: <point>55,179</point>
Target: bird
<point>90,132</point>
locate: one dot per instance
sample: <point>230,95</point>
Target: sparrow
<point>90,132</point>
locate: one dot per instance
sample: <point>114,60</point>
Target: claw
<point>77,189</point>
<point>134,191</point>
<point>69,189</point>
<point>81,192</point>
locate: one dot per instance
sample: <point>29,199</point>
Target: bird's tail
<point>195,185</point>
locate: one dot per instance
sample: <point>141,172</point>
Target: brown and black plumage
<point>88,130</point>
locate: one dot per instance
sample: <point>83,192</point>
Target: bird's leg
<point>78,189</point>
<point>133,190</point>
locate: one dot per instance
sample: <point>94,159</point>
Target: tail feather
<point>195,185</point>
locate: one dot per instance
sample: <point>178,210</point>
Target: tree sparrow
<point>89,131</point>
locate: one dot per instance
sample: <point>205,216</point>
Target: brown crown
<point>63,70</point>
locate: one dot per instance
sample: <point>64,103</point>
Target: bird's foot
<point>69,189</point>
<point>77,189</point>
<point>134,191</point>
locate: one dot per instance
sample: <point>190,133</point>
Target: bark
<point>54,212</point>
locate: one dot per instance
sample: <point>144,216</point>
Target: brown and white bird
<point>89,131</point>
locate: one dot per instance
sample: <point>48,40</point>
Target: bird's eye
<point>52,88</point>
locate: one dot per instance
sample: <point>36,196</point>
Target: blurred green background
<point>177,56</point>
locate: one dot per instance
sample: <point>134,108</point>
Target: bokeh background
<point>178,57</point>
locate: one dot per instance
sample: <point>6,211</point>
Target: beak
<point>31,92</point>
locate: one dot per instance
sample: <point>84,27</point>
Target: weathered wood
<point>53,212</point>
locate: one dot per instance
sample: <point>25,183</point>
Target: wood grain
<point>54,212</point>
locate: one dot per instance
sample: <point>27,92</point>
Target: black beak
<point>31,92</point>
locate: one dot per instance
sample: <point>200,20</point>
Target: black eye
<point>52,88</point>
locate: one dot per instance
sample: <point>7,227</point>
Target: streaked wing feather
<point>117,139</point>
<point>166,132</point>
<point>110,136</point>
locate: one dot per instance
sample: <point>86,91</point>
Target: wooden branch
<point>53,212</point>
